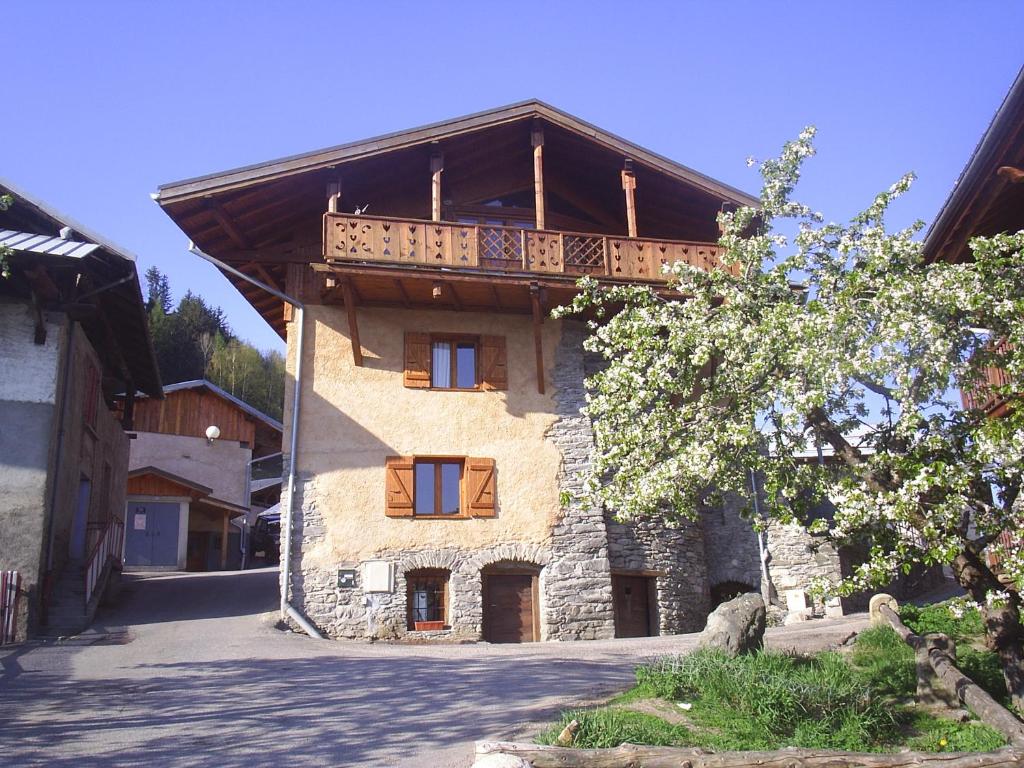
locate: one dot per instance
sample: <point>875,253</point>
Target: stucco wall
<point>353,418</point>
<point>31,471</point>
<point>220,466</point>
<point>28,391</point>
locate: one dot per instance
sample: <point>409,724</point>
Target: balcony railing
<point>507,249</point>
<point>985,396</point>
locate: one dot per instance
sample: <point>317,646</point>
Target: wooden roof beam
<point>536,302</point>
<point>349,296</point>
<point>227,223</point>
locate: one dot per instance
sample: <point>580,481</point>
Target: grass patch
<point>769,701</point>
<point>611,726</point>
<point>955,618</point>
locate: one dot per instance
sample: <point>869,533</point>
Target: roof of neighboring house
<point>45,245</point>
<point>200,493</point>
<point>198,488</point>
<point>211,387</point>
<point>984,201</point>
<point>120,332</point>
<point>533,108</point>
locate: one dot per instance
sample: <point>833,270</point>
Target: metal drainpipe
<point>287,611</point>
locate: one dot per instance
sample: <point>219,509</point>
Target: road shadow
<point>151,599</point>
<point>314,711</point>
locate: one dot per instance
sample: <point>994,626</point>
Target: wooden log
<point>987,709</point>
<point>640,756</point>
<point>984,707</point>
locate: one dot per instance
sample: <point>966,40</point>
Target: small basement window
<point>427,599</point>
<point>437,487</point>
<point>453,364</point>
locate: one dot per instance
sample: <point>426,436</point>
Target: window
<point>440,361</point>
<point>439,487</point>
<point>427,599</point>
<point>453,364</point>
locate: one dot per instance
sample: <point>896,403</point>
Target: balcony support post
<point>537,140</point>
<point>629,186</point>
<point>348,295</point>
<point>436,167</point>
<point>333,196</point>
<point>536,302</point>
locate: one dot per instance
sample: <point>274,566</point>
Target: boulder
<point>736,626</point>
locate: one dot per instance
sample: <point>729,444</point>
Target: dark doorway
<point>510,607</point>
<point>633,599</point>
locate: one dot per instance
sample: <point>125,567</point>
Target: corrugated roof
<point>45,244</point>
<point>26,199</point>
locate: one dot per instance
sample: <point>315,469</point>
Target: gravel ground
<point>189,668</point>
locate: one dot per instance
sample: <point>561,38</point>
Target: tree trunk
<point>1003,631</point>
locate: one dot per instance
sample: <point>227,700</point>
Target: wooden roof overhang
<point>153,481</point>
<point>98,286</point>
<point>988,197</point>
<point>262,218</point>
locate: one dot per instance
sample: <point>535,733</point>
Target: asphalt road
<point>189,669</point>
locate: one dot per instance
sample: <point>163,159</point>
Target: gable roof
<point>983,202</point>
<point>533,108</point>
<point>190,485</point>
<point>241,404</point>
<point>111,269</point>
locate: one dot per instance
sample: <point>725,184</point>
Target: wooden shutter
<point>493,363</point>
<point>480,488</point>
<point>398,486</point>
<point>417,360</point>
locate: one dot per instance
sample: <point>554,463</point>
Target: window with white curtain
<point>441,364</point>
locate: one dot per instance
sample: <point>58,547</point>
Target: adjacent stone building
<point>440,444</point>
<point>72,333</point>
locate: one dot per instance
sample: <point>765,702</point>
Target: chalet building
<point>72,333</point>
<point>988,199</point>
<point>189,499</point>
<point>440,440</point>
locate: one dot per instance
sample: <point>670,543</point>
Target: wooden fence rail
<point>10,588</point>
<point>500,754</point>
<point>987,709</point>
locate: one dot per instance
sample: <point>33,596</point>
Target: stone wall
<point>731,553</point>
<point>797,558</point>
<point>578,586</point>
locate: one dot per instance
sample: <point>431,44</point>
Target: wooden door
<point>510,611</point>
<point>632,597</point>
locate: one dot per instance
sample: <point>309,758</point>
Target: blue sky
<point>106,100</point>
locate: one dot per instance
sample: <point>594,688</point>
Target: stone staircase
<point>67,614</point>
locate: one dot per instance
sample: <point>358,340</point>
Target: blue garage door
<point>151,534</point>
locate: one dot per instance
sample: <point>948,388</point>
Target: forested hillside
<point>194,341</point>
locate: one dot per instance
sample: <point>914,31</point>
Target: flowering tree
<point>833,331</point>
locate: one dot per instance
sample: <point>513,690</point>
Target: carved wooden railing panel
<point>507,249</point>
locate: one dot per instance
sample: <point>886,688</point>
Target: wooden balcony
<point>506,250</point>
<point>985,396</point>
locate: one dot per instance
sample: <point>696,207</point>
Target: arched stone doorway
<point>511,602</point>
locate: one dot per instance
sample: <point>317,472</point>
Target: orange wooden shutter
<point>493,363</point>
<point>480,488</point>
<point>417,360</point>
<point>398,486</point>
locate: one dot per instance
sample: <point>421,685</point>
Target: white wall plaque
<point>378,576</point>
